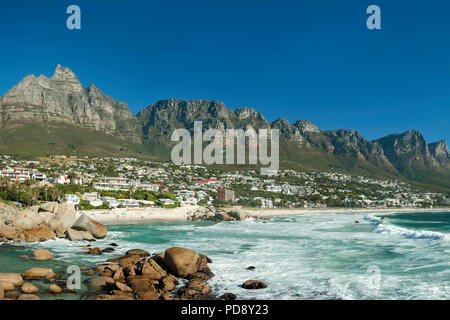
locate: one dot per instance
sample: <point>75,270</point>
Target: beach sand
<point>143,215</point>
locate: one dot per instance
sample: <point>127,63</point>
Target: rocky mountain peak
<point>64,74</point>
<point>438,148</point>
<point>306,126</point>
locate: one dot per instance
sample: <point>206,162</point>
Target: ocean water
<point>319,256</point>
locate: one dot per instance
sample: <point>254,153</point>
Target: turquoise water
<point>320,256</point>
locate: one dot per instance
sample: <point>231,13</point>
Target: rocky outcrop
<point>219,214</point>
<point>79,235</point>
<point>84,223</point>
<point>181,262</point>
<point>62,98</point>
<point>48,221</point>
<point>154,277</point>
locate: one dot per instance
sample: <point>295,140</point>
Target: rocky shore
<point>218,214</point>
<point>177,274</point>
<point>48,221</point>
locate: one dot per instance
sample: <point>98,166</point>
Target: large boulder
<point>101,283</point>
<point>42,254</point>
<point>150,268</point>
<point>27,219</point>
<point>143,287</point>
<point>125,260</point>
<point>7,286</point>
<point>181,261</point>
<point>14,278</point>
<point>87,224</point>
<point>8,232</point>
<point>7,213</point>
<point>35,273</point>
<point>38,234</point>
<point>49,207</point>
<point>64,217</point>
<point>75,235</point>
<point>138,252</point>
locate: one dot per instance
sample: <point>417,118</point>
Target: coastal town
<point>108,183</point>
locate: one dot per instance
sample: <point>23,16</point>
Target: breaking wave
<point>411,234</point>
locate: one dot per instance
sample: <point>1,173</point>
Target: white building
<point>72,198</point>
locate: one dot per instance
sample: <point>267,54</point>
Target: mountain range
<point>42,116</point>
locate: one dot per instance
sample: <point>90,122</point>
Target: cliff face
<point>393,153</point>
<point>62,98</point>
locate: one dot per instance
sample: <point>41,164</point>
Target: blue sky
<point>312,60</point>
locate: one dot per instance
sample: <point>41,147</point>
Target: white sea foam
<point>412,234</point>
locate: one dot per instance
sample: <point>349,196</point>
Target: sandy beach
<point>143,215</point>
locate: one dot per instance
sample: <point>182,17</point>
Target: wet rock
<point>123,287</point>
<point>29,288</point>
<point>113,244</point>
<point>42,254</point>
<point>126,260</point>
<point>101,283</point>
<point>251,268</point>
<point>228,296</point>
<point>199,285</point>
<point>13,278</point>
<point>95,251</point>
<point>254,284</point>
<point>107,250</point>
<point>181,261</point>
<point>138,252</point>
<point>36,273</point>
<point>150,268</point>
<point>54,289</point>
<point>143,287</point>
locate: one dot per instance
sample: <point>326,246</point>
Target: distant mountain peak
<point>64,74</point>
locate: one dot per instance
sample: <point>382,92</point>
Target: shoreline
<point>148,215</point>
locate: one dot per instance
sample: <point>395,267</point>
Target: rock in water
<point>55,289</point>
<point>100,283</point>
<point>228,296</point>
<point>35,273</point>
<point>42,254</point>
<point>87,224</point>
<point>7,286</point>
<point>138,252</point>
<point>181,261</point>
<point>28,297</point>
<point>29,288</point>
<point>254,284</point>
<point>95,251</point>
<point>14,278</point>
<point>77,235</point>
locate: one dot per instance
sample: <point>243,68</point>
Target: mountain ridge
<point>62,100</point>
